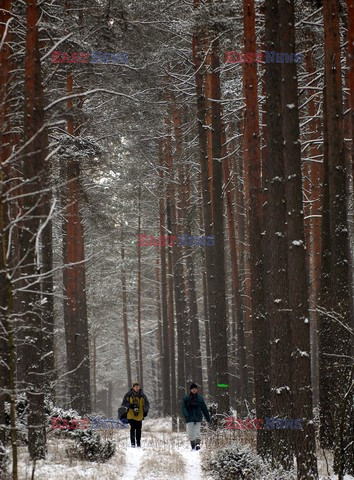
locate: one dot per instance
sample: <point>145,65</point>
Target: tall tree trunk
<point>241,348</point>
<point>74,279</point>
<point>246,221</point>
<point>34,176</point>
<point>324,303</point>
<point>252,157</point>
<point>94,372</point>
<point>335,338</point>
<point>178,284</point>
<point>313,223</point>
<point>264,439</point>
<point>350,6</point>
<point>171,324</point>
<point>208,116</point>
<point>206,312</point>
<point>207,210</point>
<point>166,382</point>
<point>140,344</point>
<point>125,313</point>
<point>243,338</point>
<point>305,445</point>
<point>195,351</point>
<point>159,341</point>
<point>278,294</point>
<point>217,305</point>
<point>7,333</point>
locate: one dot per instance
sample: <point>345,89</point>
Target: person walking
<point>137,405</point>
<point>193,406</point>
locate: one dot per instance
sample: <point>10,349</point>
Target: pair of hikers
<point>136,407</point>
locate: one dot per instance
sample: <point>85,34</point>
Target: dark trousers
<point>135,430</point>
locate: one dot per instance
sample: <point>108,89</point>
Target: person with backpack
<point>136,406</point>
<point>193,406</point>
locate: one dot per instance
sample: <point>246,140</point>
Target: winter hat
<point>136,384</point>
<point>193,385</point>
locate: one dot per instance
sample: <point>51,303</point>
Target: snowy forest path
<point>192,464</point>
<point>133,461</point>
<point>164,455</point>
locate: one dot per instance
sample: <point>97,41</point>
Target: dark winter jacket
<point>192,408</point>
<point>140,400</point>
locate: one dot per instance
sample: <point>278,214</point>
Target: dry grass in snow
<point>60,464</point>
<point>160,465</point>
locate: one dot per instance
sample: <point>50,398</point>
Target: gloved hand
<point>145,414</point>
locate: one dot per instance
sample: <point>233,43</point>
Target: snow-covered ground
<point>164,455</point>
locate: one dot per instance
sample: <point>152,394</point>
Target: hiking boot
<point>133,445</point>
<point>193,444</point>
<point>197,444</point>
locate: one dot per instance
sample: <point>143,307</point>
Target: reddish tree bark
<point>335,340</point>
<point>280,335</point>
<point>313,190</point>
<point>34,185</point>
<point>252,158</point>
<point>305,445</point>
<point>74,278</point>
<point>203,159</point>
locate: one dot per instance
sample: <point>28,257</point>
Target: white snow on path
<point>192,461</point>
<point>133,458</point>
<point>163,456</point>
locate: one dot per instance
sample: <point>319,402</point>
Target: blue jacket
<point>194,414</point>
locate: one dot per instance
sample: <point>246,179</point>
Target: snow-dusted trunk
<point>158,364</point>
<point>195,351</point>
<point>205,309</point>
<point>165,366</point>
<point>140,341</point>
<point>74,279</point>
<point>205,186</point>
<point>7,335</point>
<point>34,184</point>
<point>4,214</point>
<point>238,342</point>
<point>208,116</point>
<point>305,446</point>
<point>252,160</point>
<point>217,305</point>
<point>241,235</point>
<point>334,337</point>
<point>350,6</point>
<point>178,274</point>
<point>125,311</point>
<point>312,180</point>
<point>280,334</point>
<point>171,322</point>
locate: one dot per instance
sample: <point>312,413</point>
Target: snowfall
<point>163,455</point>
